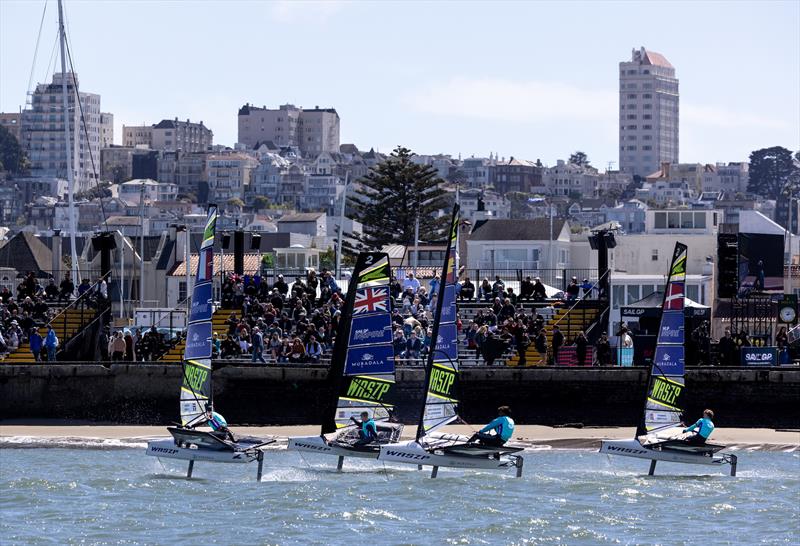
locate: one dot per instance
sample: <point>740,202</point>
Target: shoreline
<point>65,434</point>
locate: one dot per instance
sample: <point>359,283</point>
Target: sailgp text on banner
<point>759,356</point>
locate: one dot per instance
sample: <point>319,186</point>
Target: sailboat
<point>658,433</point>
<point>438,449</point>
<point>189,443</point>
<point>361,375</point>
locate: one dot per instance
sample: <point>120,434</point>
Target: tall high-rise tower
<point>648,113</point>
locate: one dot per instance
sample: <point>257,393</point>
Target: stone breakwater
<point>273,395</point>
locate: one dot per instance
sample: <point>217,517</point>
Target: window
<point>631,116</point>
<point>699,220</point>
<point>616,296</point>
<point>687,220</point>
<point>693,292</point>
<point>633,293</point>
<point>647,116</point>
<point>647,289</point>
<point>654,255</point>
<point>648,96</point>
<point>648,106</point>
<point>631,95</point>
<point>647,148</point>
<point>673,220</point>
<point>632,127</point>
<point>181,291</point>
<point>631,107</point>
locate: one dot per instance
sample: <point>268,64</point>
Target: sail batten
<point>195,390</point>
<point>441,399</point>
<point>666,386</point>
<point>363,366</point>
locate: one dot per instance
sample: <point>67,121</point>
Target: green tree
<point>260,203</point>
<point>327,259</point>
<point>393,195</point>
<point>12,156</point>
<point>235,202</point>
<point>580,159</point>
<point>770,170</point>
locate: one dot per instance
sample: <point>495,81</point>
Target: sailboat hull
<point>632,448</point>
<point>318,444</point>
<point>169,450</point>
<point>454,456</point>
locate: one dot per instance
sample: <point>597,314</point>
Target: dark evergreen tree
<point>580,159</point>
<point>12,156</point>
<point>770,170</point>
<point>393,195</point>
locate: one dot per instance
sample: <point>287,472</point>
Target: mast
<point>665,382</point>
<point>68,146</point>
<point>447,276</point>
<point>340,348</point>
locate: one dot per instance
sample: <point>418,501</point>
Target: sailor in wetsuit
<point>367,431</point>
<point>702,429</point>
<point>218,424</point>
<point>502,427</point>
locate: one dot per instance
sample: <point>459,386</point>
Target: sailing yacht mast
<point>67,145</point>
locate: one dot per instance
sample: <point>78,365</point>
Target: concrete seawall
<point>147,394</point>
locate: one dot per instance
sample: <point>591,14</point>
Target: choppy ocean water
<point>117,495</point>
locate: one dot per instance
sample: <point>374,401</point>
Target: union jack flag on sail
<point>370,300</point>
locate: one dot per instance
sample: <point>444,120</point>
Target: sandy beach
<point>534,435</point>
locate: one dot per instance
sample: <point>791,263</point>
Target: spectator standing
<point>258,346</point>
<point>603,349</point>
<point>411,283</point>
<point>51,344</point>
<point>130,347</point>
<point>35,341</point>
<point>587,287</point>
<point>580,348</point>
<point>467,290</point>
<point>727,349</point>
<point>573,290</point>
<point>117,349</point>
<point>103,342</point>
<point>557,342</point>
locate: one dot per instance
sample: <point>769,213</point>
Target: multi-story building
<point>310,131</point>
<point>186,170</point>
<point>477,205</point>
<point>322,192</point>
<point>570,179</point>
<point>116,164</point>
<point>229,176</point>
<point>106,130</point>
<point>12,122</point>
<point>476,171</point>
<point>43,131</point>
<point>169,135</point>
<point>515,175</point>
<point>132,191</point>
<point>648,113</point>
<point>266,177</point>
<point>729,179</point>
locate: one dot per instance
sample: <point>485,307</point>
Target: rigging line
<point>51,62</point>
<point>36,49</point>
<point>86,134</point>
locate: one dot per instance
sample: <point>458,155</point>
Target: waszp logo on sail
<point>195,377</point>
<point>367,389</point>
<point>442,381</point>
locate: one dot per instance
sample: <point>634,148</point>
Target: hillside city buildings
<point>288,177</point>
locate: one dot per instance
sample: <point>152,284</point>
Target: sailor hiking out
<point>702,429</point>
<point>498,432</point>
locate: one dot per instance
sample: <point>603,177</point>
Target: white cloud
<point>290,11</point>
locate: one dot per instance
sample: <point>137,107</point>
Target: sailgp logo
<point>365,334</point>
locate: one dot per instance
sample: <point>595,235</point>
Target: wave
<point>69,442</point>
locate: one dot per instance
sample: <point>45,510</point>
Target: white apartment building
<point>229,176</point>
<point>476,171</point>
<point>312,131</point>
<point>477,205</point>
<point>132,191</point>
<point>730,179</point>
<point>265,179</point>
<point>43,131</point>
<point>648,113</point>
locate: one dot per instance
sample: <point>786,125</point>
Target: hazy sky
<point>529,79</point>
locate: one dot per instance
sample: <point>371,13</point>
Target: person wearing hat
<point>498,432</point>
<point>587,287</point>
<point>539,293</point>
<point>573,290</point>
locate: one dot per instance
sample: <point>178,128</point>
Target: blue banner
<point>672,327</point>
<point>201,302</point>
<point>449,307</point>
<point>447,344</point>
<point>198,341</point>
<point>369,360</point>
<point>759,356</point>
<point>371,329</point>
<point>669,360</point>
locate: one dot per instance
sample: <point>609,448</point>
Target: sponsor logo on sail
<point>666,392</point>
<point>365,334</point>
<point>195,378</point>
<point>362,388</point>
<point>442,381</point>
